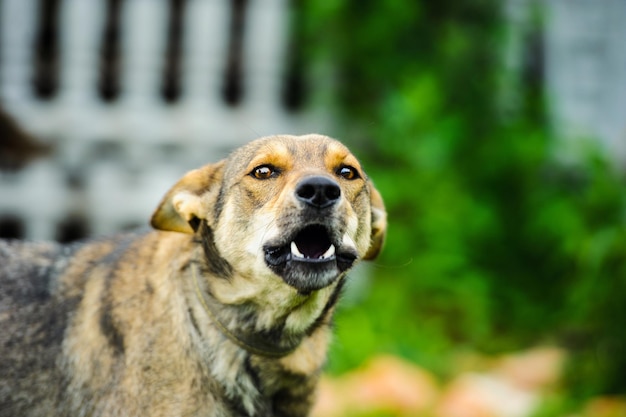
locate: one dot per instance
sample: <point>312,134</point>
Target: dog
<point>224,309</point>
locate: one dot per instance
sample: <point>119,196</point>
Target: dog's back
<point>66,340</point>
<point>33,320</point>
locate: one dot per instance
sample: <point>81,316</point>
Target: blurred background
<point>495,131</point>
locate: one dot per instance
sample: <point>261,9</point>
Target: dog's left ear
<point>190,200</point>
<point>379,224</point>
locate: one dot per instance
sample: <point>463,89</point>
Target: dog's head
<point>298,208</point>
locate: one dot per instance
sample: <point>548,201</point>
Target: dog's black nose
<point>319,192</point>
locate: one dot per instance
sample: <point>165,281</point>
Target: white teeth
<point>330,252</point>
<point>295,251</point>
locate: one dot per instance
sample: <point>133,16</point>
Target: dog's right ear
<point>190,200</point>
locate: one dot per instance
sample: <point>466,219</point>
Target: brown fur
<point>210,314</point>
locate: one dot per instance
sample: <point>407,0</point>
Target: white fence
<point>114,159</point>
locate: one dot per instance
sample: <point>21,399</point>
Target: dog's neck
<point>277,336</point>
<point>266,345</point>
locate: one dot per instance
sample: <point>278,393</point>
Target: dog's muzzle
<point>310,260</point>
<point>314,256</point>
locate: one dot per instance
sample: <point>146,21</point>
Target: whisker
<point>400,266</point>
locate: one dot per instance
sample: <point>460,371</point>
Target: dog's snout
<point>319,192</point>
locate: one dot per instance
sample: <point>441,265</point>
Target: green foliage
<point>493,243</point>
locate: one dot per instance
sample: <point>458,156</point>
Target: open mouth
<point>310,260</point>
<point>312,244</point>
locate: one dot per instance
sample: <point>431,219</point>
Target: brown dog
<point>223,311</point>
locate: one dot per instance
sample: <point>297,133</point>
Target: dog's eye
<point>348,172</point>
<point>264,172</point>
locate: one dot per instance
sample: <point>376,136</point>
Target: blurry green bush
<point>493,243</point>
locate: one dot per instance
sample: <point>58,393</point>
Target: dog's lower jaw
<point>308,275</point>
